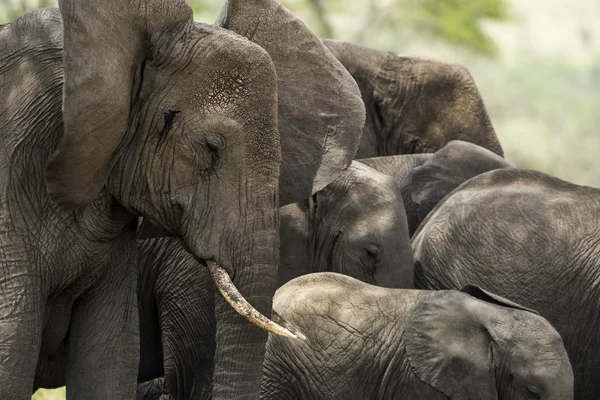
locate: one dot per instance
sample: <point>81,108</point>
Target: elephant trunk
<point>240,344</point>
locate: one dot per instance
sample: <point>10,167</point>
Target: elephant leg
<point>21,320</point>
<point>102,351</point>
<point>185,303</point>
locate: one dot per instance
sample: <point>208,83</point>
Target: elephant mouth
<point>235,299</point>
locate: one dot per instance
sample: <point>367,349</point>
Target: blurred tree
<point>11,9</point>
<point>454,21</point>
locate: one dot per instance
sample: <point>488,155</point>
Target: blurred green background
<point>536,62</point>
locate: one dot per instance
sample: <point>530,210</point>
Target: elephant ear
<point>293,239</point>
<point>449,348</point>
<point>492,298</point>
<point>451,166</point>
<point>321,113</point>
<point>105,43</point>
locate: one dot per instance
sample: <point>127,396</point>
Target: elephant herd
<point>172,190</point>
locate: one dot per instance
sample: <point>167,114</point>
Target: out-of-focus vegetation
<point>536,62</point>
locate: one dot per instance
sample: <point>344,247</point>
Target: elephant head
<point>414,105</point>
<point>401,169</point>
<point>485,347</point>
<point>355,226</point>
<point>454,164</point>
<point>320,128</point>
<point>178,122</point>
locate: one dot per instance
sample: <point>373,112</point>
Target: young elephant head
<point>178,121</point>
<point>414,105</point>
<point>355,226</point>
<point>490,349</point>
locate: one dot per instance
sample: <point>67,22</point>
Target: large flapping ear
<point>451,166</point>
<point>321,113</point>
<point>492,298</point>
<point>105,41</point>
<point>449,348</point>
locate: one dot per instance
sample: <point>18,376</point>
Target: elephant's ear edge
<point>444,344</point>
<point>484,295</point>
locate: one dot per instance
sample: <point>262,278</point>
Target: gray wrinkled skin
<point>321,114</point>
<point>365,342</point>
<point>414,105</point>
<point>425,179</point>
<point>119,109</point>
<point>355,226</point>
<point>529,237</point>
<point>149,126</point>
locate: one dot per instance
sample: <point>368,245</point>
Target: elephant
<point>355,226</point>
<point>176,309</point>
<point>367,342</point>
<point>425,179</point>
<point>115,110</point>
<point>529,237</point>
<point>414,105</point>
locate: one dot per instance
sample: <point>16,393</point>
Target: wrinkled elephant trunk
<point>241,344</point>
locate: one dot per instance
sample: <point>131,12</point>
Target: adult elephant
<point>529,237</point>
<point>366,342</point>
<point>158,117</point>
<point>425,179</point>
<point>414,105</point>
<point>355,226</point>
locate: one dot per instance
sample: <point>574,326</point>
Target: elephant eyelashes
<point>215,154</point>
<point>415,146</point>
<point>168,118</point>
<point>373,254</point>
<point>533,393</point>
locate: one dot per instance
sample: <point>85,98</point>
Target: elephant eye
<point>373,254</point>
<point>415,146</point>
<point>533,392</point>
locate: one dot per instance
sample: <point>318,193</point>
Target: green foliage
<point>458,21</point>
<point>11,9</point>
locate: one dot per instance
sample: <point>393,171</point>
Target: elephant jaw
<point>245,309</point>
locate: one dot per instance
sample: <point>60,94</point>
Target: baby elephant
<point>355,226</point>
<point>367,342</point>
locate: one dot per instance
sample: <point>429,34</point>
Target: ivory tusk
<point>239,304</point>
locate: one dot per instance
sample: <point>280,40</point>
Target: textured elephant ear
<point>451,166</point>
<point>321,113</point>
<point>449,348</point>
<point>492,298</point>
<point>105,43</point>
<point>293,241</point>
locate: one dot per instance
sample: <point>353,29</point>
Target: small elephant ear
<point>105,42</point>
<point>451,166</point>
<point>293,241</point>
<point>321,113</point>
<point>449,348</point>
<point>492,298</point>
